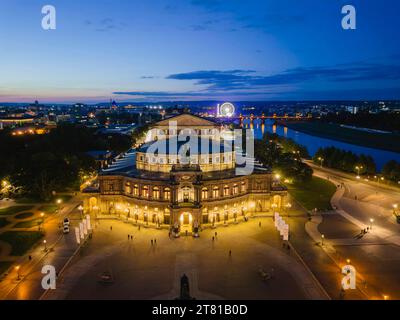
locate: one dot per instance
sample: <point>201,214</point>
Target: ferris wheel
<point>226,109</point>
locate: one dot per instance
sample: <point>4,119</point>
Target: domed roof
<point>192,146</point>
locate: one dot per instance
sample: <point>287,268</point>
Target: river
<point>313,143</point>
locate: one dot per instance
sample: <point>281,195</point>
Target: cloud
<point>244,82</point>
<point>240,79</point>
<point>104,25</point>
<point>148,77</point>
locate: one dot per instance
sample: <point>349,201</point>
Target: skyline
<point>160,51</point>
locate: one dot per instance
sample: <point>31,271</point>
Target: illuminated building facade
<point>205,191</point>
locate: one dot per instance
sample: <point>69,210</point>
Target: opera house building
<point>152,186</point>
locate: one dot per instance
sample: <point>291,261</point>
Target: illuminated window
<point>136,190</point>
<point>128,188</point>
<point>145,192</point>
<point>243,187</point>
<point>235,189</point>
<point>167,194</point>
<point>204,193</point>
<point>215,192</point>
<point>156,193</point>
<point>226,191</point>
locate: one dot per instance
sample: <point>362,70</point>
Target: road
<point>364,201</point>
<point>60,246</point>
<point>376,254</point>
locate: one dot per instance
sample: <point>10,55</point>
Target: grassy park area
<point>3,222</point>
<point>315,193</point>
<point>14,210</point>
<point>20,241</point>
<point>48,208</point>
<point>384,141</point>
<point>28,224</point>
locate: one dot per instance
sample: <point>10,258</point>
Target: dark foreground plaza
<point>145,271</point>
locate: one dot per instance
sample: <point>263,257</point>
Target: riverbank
<point>382,141</point>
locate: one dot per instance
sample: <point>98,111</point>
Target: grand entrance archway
<point>186,222</point>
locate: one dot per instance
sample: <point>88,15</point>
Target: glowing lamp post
<point>371,222</point>
<point>41,220</point>
<point>45,245</point>
<point>288,206</point>
<point>321,160</point>
<point>322,239</point>
<point>59,202</point>
<point>17,268</point>
<point>358,168</point>
<point>80,209</point>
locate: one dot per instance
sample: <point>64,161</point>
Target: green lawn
<point>21,241</point>
<point>13,210</point>
<point>27,200</point>
<point>4,265</point>
<point>362,138</point>
<point>24,215</point>
<point>3,222</point>
<point>28,224</point>
<point>48,208</point>
<point>316,193</point>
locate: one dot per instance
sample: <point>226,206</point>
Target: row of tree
<point>347,161</point>
<point>391,171</point>
<point>284,156</point>
<point>389,121</point>
<point>37,165</point>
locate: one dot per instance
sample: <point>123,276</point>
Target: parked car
<point>66,229</point>
<point>66,222</point>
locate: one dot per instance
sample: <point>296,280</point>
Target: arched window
<point>226,190</point>
<point>128,188</point>
<point>235,189</point>
<point>156,193</point>
<point>243,187</point>
<point>215,192</point>
<point>145,192</point>
<point>204,193</point>
<point>167,194</point>
<point>135,190</point>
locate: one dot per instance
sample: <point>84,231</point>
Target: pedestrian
<point>129,236</point>
<point>151,241</point>
<point>213,238</point>
<point>215,233</point>
<point>155,241</point>
<point>30,258</point>
<point>139,227</point>
<point>259,224</point>
<point>110,228</point>
<point>230,253</point>
<point>186,233</point>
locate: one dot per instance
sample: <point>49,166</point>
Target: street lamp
<point>18,274</point>
<point>371,222</point>
<point>274,206</point>
<point>59,201</point>
<point>288,206</point>
<point>80,209</point>
<point>322,239</point>
<point>348,261</point>
<point>321,160</point>
<point>45,245</point>
<point>358,168</point>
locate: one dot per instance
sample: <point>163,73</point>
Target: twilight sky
<point>144,50</point>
